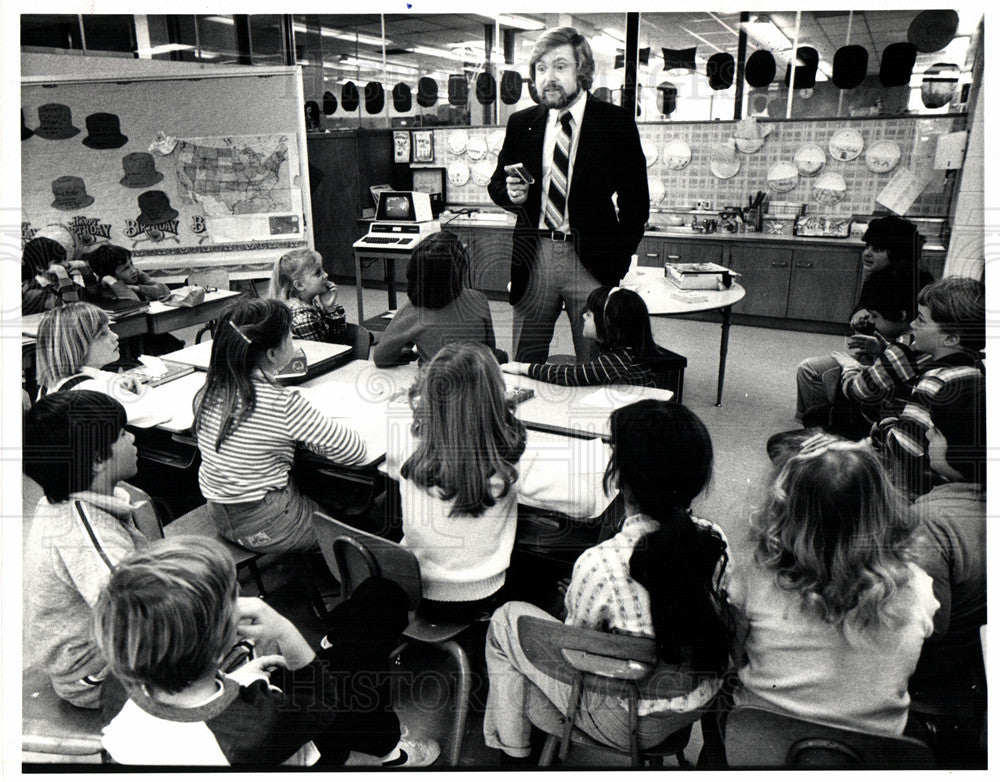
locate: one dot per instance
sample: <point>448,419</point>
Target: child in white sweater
<point>463,466</point>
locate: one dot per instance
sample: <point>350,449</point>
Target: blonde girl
<point>248,428</point>
<point>300,282</point>
<point>836,612</point>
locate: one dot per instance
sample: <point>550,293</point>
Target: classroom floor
<point>758,400</point>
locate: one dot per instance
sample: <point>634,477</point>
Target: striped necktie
<point>555,205</point>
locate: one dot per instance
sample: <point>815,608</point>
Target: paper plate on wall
<point>494,141</point>
<point>476,148</point>
<point>749,145</point>
<point>724,167</point>
<point>481,172</point>
<point>846,144</point>
<point>829,188</point>
<point>458,140</point>
<point>810,159</point>
<point>676,154</point>
<point>782,176</point>
<point>656,190</point>
<point>650,150</point>
<point>458,173</point>
<point>883,156</point>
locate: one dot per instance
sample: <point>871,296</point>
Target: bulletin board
<point>187,172</point>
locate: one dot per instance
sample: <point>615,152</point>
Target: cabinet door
<point>765,271</point>
<point>658,250</point>
<point>824,283</point>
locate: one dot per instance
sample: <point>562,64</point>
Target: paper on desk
<point>154,365</point>
<point>372,420</point>
<point>902,190</point>
<point>610,398</point>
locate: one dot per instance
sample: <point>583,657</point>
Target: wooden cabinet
<point>765,271</point>
<point>824,283</point>
<point>657,250</point>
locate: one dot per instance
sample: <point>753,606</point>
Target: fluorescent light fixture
<point>765,32</point>
<point>431,51</point>
<point>520,22</point>
<point>165,49</point>
<point>326,32</point>
<point>603,43</point>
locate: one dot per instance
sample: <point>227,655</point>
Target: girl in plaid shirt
<point>299,280</point>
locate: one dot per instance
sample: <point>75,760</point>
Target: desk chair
<point>355,555</point>
<point>362,340</point>
<point>668,371</point>
<point>209,278</point>
<point>610,665</point>
<point>762,739</point>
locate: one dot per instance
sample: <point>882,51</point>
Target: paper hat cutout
<point>897,64</point>
<point>55,121</point>
<point>939,85</point>
<point>511,84</point>
<point>805,68</point>
<point>720,69</point>
<point>458,90</point>
<point>329,103</point>
<point>666,98</point>
<point>140,170</point>
<point>931,31</point>
<point>679,58</point>
<point>402,98</point>
<point>70,194</point>
<point>104,132</point>
<point>349,97</point>
<point>643,58</point>
<point>486,89</point>
<point>374,97</point>
<point>155,208</point>
<point>850,66</point>
<point>760,68</point>
<point>26,132</point>
<point>427,92</point>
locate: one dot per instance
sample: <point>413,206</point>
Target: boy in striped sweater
<point>76,447</point>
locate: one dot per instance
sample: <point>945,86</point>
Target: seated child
<point>113,264</point>
<point>662,576</point>
<point>440,309</point>
<point>299,280</point>
<point>922,380</point>
<point>462,468</point>
<point>949,685</point>
<point>248,428</point>
<point>619,321</point>
<point>74,341</point>
<point>37,295</point>
<point>77,449</point>
<point>836,612</point>
<point>168,616</point>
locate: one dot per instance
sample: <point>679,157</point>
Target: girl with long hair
<point>662,576</point>
<point>836,612</point>
<point>618,320</point>
<point>299,280</point>
<point>248,428</point>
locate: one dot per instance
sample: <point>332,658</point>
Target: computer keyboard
<point>381,240</point>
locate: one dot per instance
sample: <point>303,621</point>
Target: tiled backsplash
<point>915,136</point>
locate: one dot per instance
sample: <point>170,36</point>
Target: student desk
<point>130,326</point>
<point>320,356</point>
<point>662,297</point>
<point>571,411</point>
<point>163,318</point>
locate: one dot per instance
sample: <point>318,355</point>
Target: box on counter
<point>699,276</point>
<point>823,225</point>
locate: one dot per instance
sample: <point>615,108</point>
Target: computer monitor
<point>404,206</point>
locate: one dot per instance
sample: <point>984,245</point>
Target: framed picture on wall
<point>423,146</point>
<point>431,181</point>
<point>401,146</point>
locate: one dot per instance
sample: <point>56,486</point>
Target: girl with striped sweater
<point>619,321</point>
<point>248,428</point>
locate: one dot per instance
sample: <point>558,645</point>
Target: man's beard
<point>555,99</point>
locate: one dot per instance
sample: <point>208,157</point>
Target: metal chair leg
<point>462,690</point>
<point>548,751</point>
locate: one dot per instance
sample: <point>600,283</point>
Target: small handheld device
<point>518,170</point>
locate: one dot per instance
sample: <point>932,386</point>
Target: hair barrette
<point>243,336</point>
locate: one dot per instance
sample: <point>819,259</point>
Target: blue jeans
<point>279,523</point>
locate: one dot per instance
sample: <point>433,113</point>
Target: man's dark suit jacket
<point>609,160</point>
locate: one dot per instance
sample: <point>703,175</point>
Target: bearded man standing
<point>582,217</point>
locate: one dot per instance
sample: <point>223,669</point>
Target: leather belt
<point>556,236</point>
